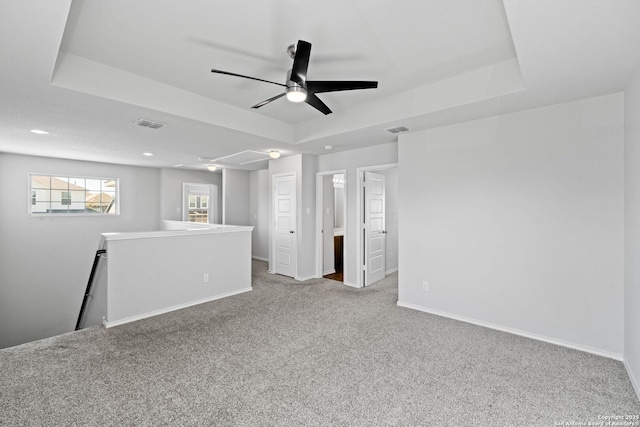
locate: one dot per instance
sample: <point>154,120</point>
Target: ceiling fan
<point>298,88</point>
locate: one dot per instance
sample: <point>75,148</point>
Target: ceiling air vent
<point>149,124</point>
<point>398,129</point>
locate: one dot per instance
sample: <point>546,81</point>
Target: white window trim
<point>63,214</point>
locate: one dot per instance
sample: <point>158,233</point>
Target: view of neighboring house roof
<point>53,183</point>
<point>100,198</point>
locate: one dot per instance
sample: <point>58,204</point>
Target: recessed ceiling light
<point>40,132</point>
<point>211,167</point>
<point>274,154</point>
<point>147,154</point>
<point>328,147</point>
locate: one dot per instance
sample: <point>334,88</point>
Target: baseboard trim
<point>259,258</point>
<point>333,270</point>
<point>634,381</point>
<point>303,278</point>
<point>393,270</point>
<point>172,308</point>
<point>513,331</point>
<point>353,285</point>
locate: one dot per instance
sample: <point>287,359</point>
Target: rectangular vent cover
<point>398,129</point>
<point>149,124</point>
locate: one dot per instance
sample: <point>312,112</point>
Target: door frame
<point>319,216</point>
<point>359,215</point>
<point>272,226</point>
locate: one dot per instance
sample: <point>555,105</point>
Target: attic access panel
<point>242,158</point>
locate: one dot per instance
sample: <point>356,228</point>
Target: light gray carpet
<point>312,353</point>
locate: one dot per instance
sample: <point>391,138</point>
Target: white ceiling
<point>86,70</point>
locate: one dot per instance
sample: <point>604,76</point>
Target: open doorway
<point>331,225</point>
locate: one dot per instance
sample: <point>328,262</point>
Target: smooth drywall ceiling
<point>383,154</point>
<point>172,180</point>
<point>632,231</point>
<point>516,221</point>
<point>45,261</point>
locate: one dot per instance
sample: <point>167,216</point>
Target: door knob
<point>291,231</point>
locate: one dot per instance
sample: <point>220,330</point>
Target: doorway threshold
<point>339,276</point>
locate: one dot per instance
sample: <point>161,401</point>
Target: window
<point>198,208</point>
<point>65,198</point>
<point>53,194</point>
<point>199,202</point>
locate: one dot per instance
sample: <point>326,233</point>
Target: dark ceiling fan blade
<point>301,62</point>
<point>334,86</point>
<point>246,77</point>
<point>315,102</point>
<point>263,103</point>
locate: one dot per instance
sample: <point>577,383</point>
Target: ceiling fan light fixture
<point>297,88</point>
<point>274,154</point>
<point>296,94</point>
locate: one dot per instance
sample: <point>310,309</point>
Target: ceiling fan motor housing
<point>295,92</point>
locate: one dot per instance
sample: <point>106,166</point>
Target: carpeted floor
<point>311,353</point>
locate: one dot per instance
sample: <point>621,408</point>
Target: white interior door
<point>374,232</point>
<point>284,202</point>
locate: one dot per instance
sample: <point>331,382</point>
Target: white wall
<point>391,218</point>
<point>164,271</point>
<point>45,261</point>
<point>307,250</point>
<point>351,160</point>
<point>632,231</point>
<point>516,221</point>
<point>236,197</point>
<point>171,183</point>
<point>259,211</point>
